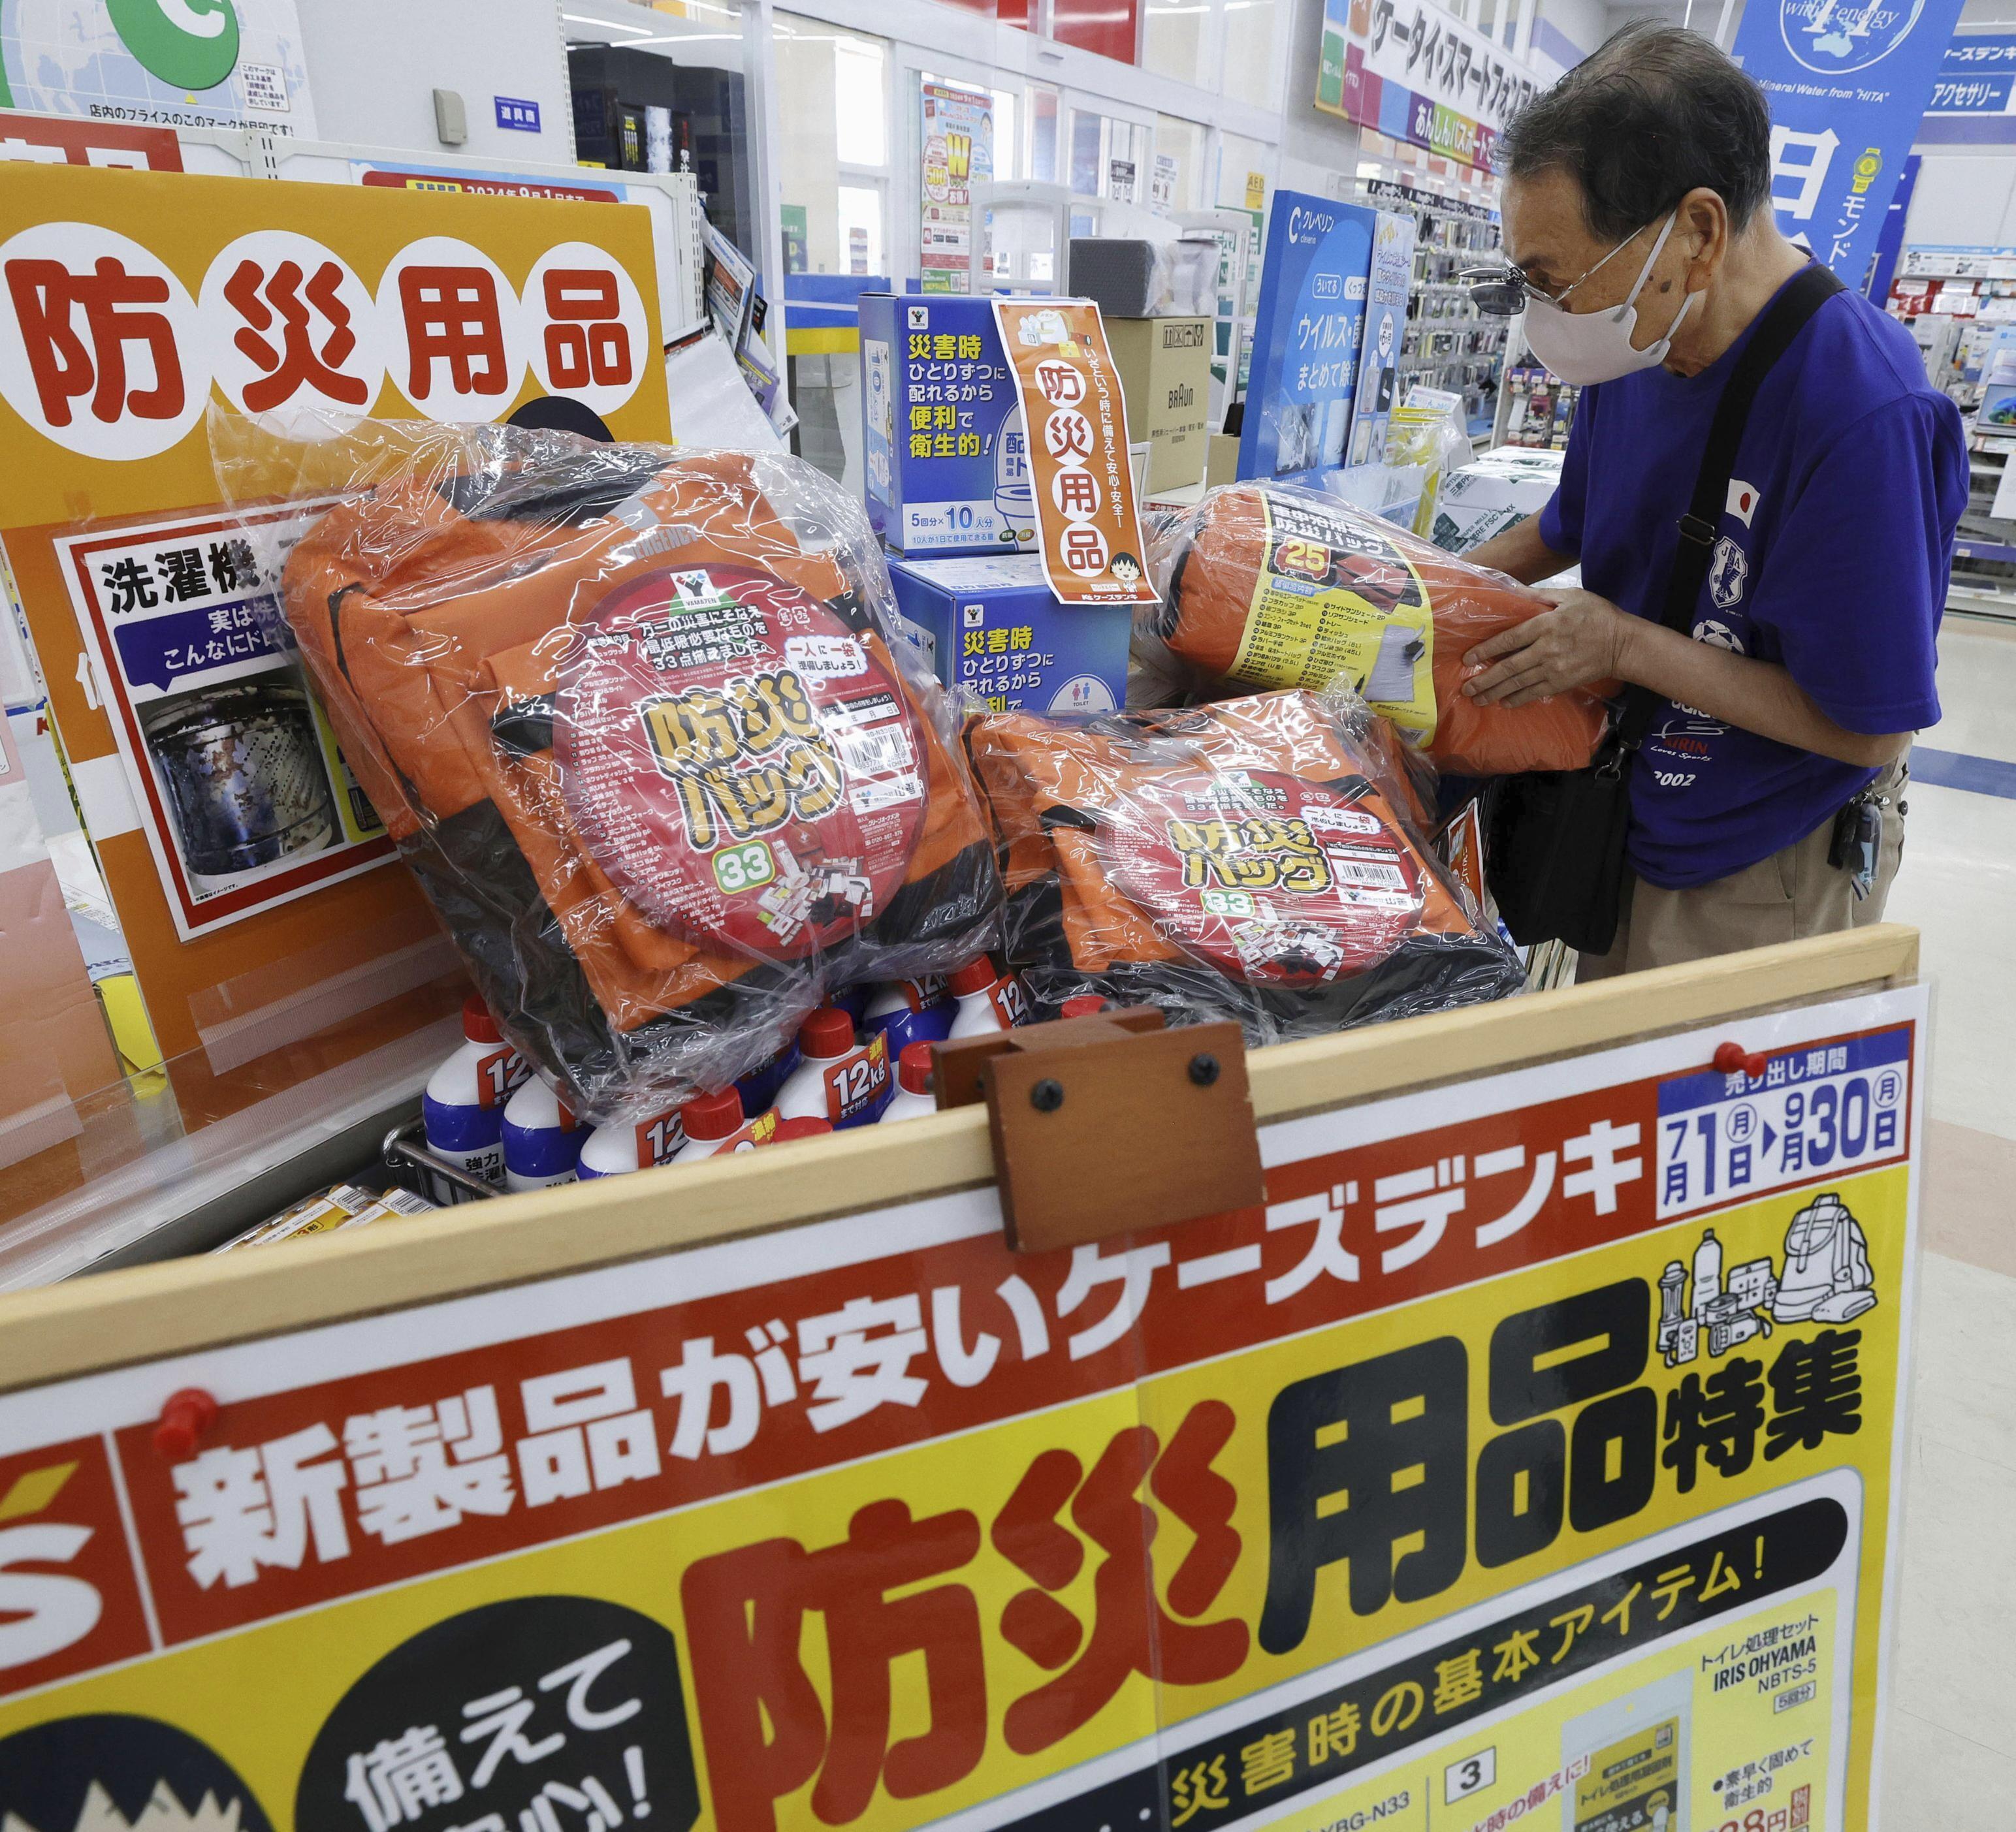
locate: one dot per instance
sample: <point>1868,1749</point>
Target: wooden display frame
<point>123,1317</point>
<point>1538,1430</point>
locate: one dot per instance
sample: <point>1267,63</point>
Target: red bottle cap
<point>477,1024</point>
<point>1084,1005</point>
<point>712,1116</point>
<point>975,976</point>
<point>788,1129</point>
<point>829,1032</point>
<point>913,1068</point>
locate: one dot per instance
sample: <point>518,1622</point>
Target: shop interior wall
<point>1965,196</point>
<point>375,65</point>
<point>1318,151</point>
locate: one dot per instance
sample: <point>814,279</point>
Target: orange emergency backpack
<point>633,718</point>
<point>1255,859</point>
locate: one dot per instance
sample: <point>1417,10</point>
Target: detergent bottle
<point>913,1097</point>
<point>839,1080</point>
<point>542,1138</point>
<point>909,1011</point>
<point>463,1107</point>
<point>713,1122</point>
<point>986,1000</point>
<point>758,1088</point>
<point>615,1151</point>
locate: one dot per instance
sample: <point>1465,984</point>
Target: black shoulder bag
<point>1554,840</point>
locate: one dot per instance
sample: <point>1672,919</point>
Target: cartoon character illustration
<point>1125,567</point>
<point>1827,1274</point>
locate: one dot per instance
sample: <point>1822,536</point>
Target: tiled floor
<point>1950,1762</point>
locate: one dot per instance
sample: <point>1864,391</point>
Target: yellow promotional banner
<point>1087,518</point>
<point>1531,1455</point>
<point>241,858</point>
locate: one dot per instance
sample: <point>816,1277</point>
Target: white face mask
<point>1585,347</point>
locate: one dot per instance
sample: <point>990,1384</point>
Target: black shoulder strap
<point>1773,337</point>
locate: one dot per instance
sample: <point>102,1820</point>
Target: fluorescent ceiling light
<point>611,25</point>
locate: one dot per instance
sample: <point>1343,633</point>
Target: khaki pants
<point>1792,894</point>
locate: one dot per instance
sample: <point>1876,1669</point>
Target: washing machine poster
<point>240,785</point>
<point>1307,336</point>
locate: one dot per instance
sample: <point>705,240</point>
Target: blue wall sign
<point>1973,99</point>
<point>1848,85</point>
<point>519,116</point>
<point>1306,336</point>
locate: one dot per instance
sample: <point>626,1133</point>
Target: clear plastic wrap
<point>1272,585</point>
<point>635,719</point>
<point>1260,859</point>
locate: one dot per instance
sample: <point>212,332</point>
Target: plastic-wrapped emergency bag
<point>634,718</point>
<point>1257,859</point>
<point>1272,585</point>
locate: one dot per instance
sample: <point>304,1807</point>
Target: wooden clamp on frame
<point>1109,1123</point>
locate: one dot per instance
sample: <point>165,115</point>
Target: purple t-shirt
<point>1831,557</point>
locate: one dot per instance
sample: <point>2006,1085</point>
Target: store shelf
<point>1981,602</point>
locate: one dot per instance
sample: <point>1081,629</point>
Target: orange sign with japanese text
<point>1534,1450</point>
<point>241,858</point>
<point>1090,524</point>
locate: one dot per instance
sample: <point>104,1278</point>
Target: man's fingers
<point>1504,643</point>
<point>1508,678</point>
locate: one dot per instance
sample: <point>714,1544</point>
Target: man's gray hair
<point>1654,113</point>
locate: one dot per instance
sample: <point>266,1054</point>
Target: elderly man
<point>1765,800</point>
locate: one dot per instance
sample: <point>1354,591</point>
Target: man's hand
<point>1583,639</point>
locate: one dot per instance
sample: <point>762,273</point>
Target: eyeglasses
<point>1502,292</point>
<point>1499,292</point>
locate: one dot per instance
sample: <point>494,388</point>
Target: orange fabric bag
<point>1255,859</point>
<point>634,720</point>
<point>1271,585</point>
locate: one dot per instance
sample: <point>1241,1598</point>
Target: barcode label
<point>1373,877</point>
<point>872,750</point>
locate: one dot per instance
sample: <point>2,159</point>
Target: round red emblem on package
<point>1272,880</point>
<point>737,759</point>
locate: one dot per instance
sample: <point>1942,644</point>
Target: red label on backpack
<point>737,760</point>
<point>1272,880</point>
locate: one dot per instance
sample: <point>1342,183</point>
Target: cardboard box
<point>1223,467</point>
<point>1165,366</point>
<point>946,455</point>
<point>994,627</point>
<point>1497,492</point>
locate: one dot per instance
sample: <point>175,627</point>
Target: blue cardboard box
<point>994,626</point>
<point>947,453</point>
